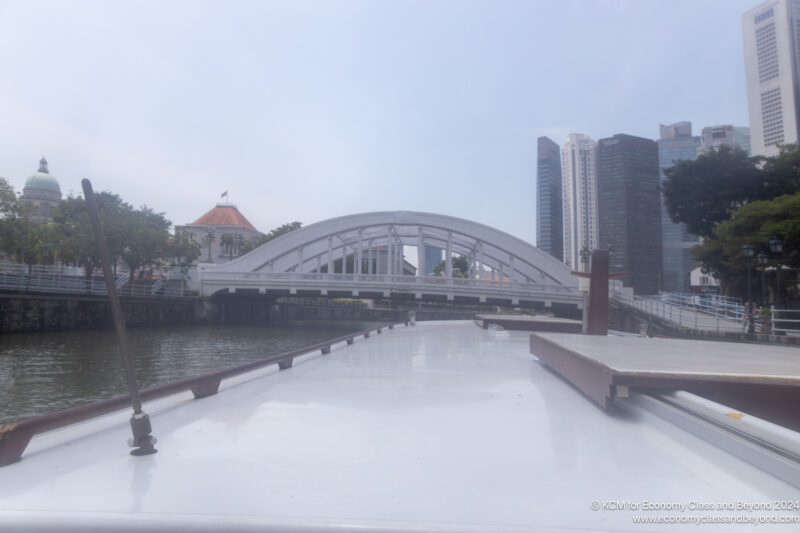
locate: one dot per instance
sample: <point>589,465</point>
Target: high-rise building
<point>579,170</point>
<point>549,208</point>
<point>771,35</point>
<point>628,209</point>
<point>433,257</point>
<point>724,135</point>
<point>676,144</point>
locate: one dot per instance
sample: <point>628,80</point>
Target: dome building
<point>223,234</point>
<point>42,192</point>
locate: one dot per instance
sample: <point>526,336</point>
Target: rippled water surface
<point>45,372</point>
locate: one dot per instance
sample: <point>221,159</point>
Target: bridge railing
<point>288,279</point>
<point>64,284</point>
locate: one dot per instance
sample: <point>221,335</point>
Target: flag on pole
<point>223,195</point>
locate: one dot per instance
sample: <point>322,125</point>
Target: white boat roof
<point>442,426</point>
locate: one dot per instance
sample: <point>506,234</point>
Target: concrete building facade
<point>549,203</point>
<point>676,144</point>
<point>579,199</point>
<point>221,233</point>
<point>771,35</point>
<point>628,207</point>
<point>713,137</point>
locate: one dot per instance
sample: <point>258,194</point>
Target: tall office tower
<point>433,256</point>
<point>725,135</point>
<point>628,209</point>
<point>549,208</point>
<point>579,170</point>
<point>676,144</point>
<point>771,34</point>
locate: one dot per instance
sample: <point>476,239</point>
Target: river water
<point>46,372</point>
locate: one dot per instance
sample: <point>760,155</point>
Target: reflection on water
<point>46,372</point>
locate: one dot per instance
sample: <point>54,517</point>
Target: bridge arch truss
<point>314,260</point>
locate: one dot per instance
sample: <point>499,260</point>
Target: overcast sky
<point>310,110</point>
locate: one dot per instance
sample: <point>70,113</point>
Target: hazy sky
<point>309,110</point>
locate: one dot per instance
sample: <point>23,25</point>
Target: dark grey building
<point>549,208</point>
<point>629,209</point>
<point>676,144</point>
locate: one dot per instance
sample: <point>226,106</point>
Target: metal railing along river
<point>65,280</point>
<point>703,313</point>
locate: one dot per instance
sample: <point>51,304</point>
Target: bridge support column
<point>480,257</point>
<point>421,254</point>
<point>448,265</point>
<point>389,250</point>
<point>330,255</point>
<point>358,252</point>
<point>299,259</point>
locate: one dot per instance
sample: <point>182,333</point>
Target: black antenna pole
<point>142,442</point>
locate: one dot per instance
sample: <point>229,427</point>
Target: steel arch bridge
<point>313,261</point>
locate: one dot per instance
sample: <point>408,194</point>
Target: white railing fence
<point>708,312</point>
<point>70,280</point>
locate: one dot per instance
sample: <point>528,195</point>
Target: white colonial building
<point>223,234</point>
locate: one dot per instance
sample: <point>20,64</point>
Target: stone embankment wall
<point>50,312</point>
<point>28,312</point>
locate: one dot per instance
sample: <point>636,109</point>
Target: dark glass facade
<point>549,208</point>
<point>629,209</point>
<point>677,242</point>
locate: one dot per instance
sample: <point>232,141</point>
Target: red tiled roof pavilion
<point>224,215</point>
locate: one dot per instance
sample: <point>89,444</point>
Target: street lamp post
<point>748,251</point>
<point>776,247</point>
<point>762,261</point>
<point>585,254</point>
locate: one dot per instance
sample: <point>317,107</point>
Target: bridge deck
<point>441,426</point>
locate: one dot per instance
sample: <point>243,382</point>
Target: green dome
<point>42,180</point>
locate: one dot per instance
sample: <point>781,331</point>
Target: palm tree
<point>227,241</point>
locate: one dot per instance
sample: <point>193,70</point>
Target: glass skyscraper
<point>628,207</point>
<point>549,209</point>
<point>676,144</point>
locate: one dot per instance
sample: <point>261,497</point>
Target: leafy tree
<point>755,223</point>
<point>226,240</point>
<point>147,237</point>
<point>77,243</point>
<point>701,193</point>
<point>183,250</point>
<point>23,238</point>
<point>462,266</point>
<point>277,232</point>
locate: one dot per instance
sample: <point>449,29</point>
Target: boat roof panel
<point>440,424</point>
